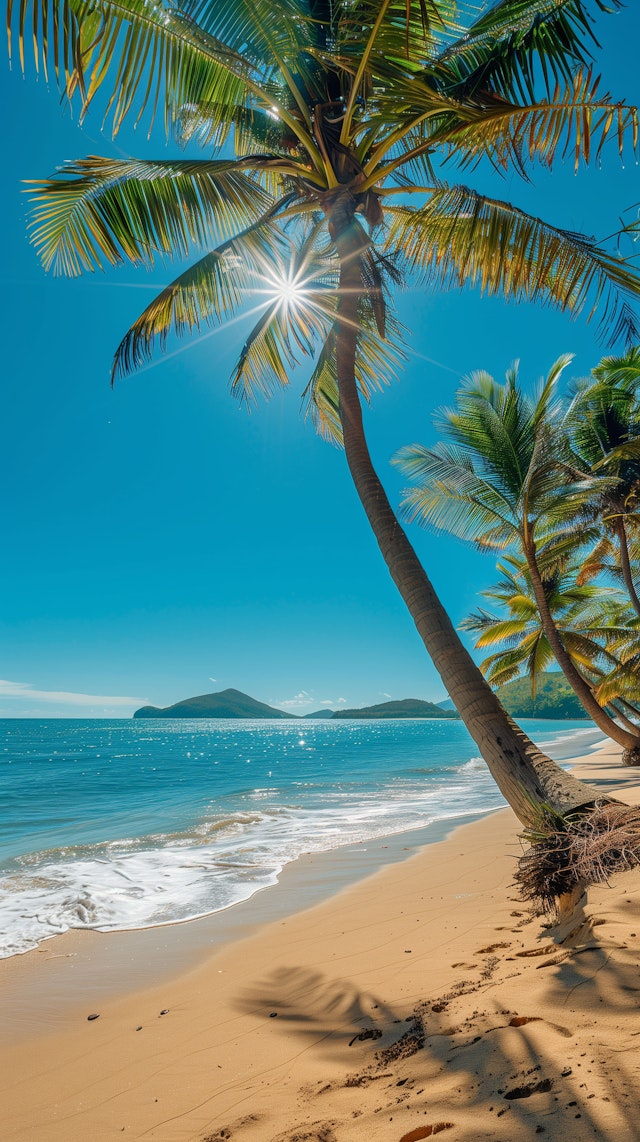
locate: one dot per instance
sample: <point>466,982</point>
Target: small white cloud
<point>343,700</point>
<point>384,694</point>
<point>213,679</point>
<point>64,697</point>
<point>303,698</point>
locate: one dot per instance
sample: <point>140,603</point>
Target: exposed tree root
<point>570,853</point>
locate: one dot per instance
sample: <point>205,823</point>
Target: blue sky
<point>159,541</point>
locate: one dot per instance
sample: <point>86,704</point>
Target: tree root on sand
<point>567,854</point>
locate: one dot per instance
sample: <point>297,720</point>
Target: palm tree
<point>603,423</point>
<point>595,629</point>
<point>328,117</point>
<point>502,483</point>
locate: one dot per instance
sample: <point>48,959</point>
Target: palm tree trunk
<point>623,704</point>
<point>624,720</point>
<point>618,705</point>
<point>625,563</point>
<point>524,775</point>
<point>629,741</point>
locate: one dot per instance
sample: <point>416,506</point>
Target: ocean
<point>114,825</point>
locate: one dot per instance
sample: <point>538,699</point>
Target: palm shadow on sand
<point>466,1058</point>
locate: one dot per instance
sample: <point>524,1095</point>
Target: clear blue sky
<point>158,541</point>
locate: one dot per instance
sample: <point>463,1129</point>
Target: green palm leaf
<point>164,58</point>
<point>118,210</point>
<point>451,496</point>
<point>462,238</point>
<point>377,363</point>
<point>503,49</point>
<point>498,630</point>
<point>209,291</point>
<point>574,120</point>
<point>623,370</point>
<point>249,28</point>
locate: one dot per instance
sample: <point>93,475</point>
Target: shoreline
<point>49,928</point>
<point>83,965</point>
<point>260,1039</point>
<point>42,988</point>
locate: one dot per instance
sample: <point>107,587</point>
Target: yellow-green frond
<point>463,238</point>
<point>209,291</point>
<point>574,122</point>
<point>99,210</point>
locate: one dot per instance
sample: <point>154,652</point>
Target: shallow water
<point>120,824</point>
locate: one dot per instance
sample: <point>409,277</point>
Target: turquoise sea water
<point>128,824</point>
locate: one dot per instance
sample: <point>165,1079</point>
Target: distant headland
<point>235,704</point>
<point>554,699</point>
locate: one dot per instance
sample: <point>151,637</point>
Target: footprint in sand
<point>426,1131</point>
<point>530,1088</point>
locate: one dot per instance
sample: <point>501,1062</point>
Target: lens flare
<point>288,290</point>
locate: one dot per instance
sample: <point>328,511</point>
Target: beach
<point>423,999</point>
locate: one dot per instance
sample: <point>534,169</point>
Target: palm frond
<point>165,59</point>
<point>377,364</point>
<point>254,132</point>
<point>574,121</point>
<point>293,325</point>
<point>621,370</point>
<point>250,29</point>
<point>511,44</point>
<point>459,508</point>
<point>208,292</point>
<point>100,210</point>
<point>462,238</point>
<point>507,631</point>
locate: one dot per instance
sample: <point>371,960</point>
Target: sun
<point>286,287</point>
<point>291,293</point>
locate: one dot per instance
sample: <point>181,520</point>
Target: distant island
<point>224,704</point>
<point>235,704</point>
<point>406,708</point>
<point>554,699</point>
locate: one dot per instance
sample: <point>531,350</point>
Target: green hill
<point>235,704</point>
<point>225,704</point>
<point>407,708</point>
<point>554,698</point>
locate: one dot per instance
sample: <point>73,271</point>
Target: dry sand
<point>425,999</point>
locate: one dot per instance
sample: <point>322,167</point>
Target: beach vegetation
<point>507,476</point>
<point>598,630</point>
<point>342,132</point>
<point>603,426</point>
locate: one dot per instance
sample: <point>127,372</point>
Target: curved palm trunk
<point>524,775</point>
<point>618,705</point>
<point>632,711</point>
<point>625,564</point>
<point>624,720</point>
<point>628,741</point>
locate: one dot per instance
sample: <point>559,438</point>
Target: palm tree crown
<point>324,113</point>
<point>596,625</point>
<point>505,478</point>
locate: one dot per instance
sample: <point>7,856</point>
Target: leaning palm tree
<point>502,480</point>
<point>330,118</point>
<point>603,423</point>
